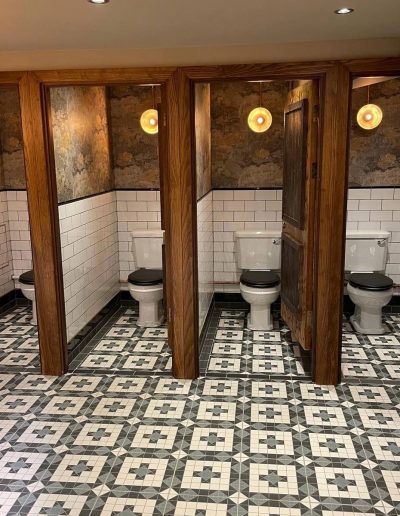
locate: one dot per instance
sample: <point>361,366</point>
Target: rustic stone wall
<point>81,141</point>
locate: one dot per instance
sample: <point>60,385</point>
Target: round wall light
<point>369,116</point>
<point>259,119</point>
<point>149,121</point>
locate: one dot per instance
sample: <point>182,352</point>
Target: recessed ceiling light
<point>344,10</point>
<point>99,2</point>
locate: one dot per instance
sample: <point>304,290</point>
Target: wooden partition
<point>331,204</point>
<point>180,212</point>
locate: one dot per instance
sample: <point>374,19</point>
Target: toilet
<point>259,257</point>
<point>368,287</point>
<point>146,283</point>
<point>27,285</point>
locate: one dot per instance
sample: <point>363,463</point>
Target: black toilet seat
<point>260,279</point>
<point>146,277</point>
<point>372,281</point>
<point>27,278</point>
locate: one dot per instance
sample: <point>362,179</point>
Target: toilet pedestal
<point>259,318</point>
<point>151,314</point>
<point>368,321</point>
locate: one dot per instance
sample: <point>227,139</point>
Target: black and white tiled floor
<point>121,346</point>
<point>230,349</point>
<point>19,348</point>
<point>117,445</point>
<point>372,357</point>
<point>119,436</point>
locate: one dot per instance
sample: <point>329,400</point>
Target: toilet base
<point>151,315</point>
<point>259,318</point>
<point>34,316</point>
<point>368,328</point>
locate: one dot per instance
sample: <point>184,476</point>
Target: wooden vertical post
<point>331,227</point>
<point>181,247</point>
<point>45,233</point>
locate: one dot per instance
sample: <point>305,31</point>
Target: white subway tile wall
<point>235,210</point>
<point>137,209</point>
<point>6,283</point>
<point>375,208</point>
<point>15,239</point>
<point>378,208</point>
<point>205,255</point>
<point>89,242</point>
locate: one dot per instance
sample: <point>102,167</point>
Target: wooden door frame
<point>42,194</point>
<point>331,204</point>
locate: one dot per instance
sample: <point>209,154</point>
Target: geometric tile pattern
<point>123,347</point>
<point>230,349</point>
<point>153,445</point>
<point>19,348</point>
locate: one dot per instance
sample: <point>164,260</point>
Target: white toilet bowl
<point>146,287</point>
<point>370,292</point>
<point>26,281</point>
<point>260,289</point>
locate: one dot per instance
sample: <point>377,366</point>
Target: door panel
<point>298,205</point>
<point>295,163</point>
<point>292,261</point>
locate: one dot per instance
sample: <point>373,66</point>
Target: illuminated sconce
<point>149,118</point>
<point>259,119</point>
<point>369,116</point>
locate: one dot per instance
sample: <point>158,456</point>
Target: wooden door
<point>162,157</point>
<point>299,187</point>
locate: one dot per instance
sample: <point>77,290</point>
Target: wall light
<point>259,119</point>
<point>149,118</point>
<point>369,116</point>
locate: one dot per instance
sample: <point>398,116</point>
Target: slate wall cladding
<point>12,166</point>
<point>81,141</point>
<point>241,158</point>
<point>375,154</point>
<point>202,117</point>
<point>134,153</point>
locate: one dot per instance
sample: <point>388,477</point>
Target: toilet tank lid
<point>367,233</point>
<point>260,233</point>
<point>148,233</point>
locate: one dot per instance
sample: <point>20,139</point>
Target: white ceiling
<point>77,24</point>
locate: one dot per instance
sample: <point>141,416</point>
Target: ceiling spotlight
<point>98,2</point>
<point>344,10</point>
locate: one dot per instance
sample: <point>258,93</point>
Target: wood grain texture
<point>44,225</point>
<point>262,71</point>
<point>303,98</point>
<point>295,163</point>
<point>181,227</point>
<point>376,66</point>
<point>104,76</point>
<point>10,78</point>
<point>330,231</point>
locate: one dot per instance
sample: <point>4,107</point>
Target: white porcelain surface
<point>260,301</point>
<point>147,248</point>
<point>366,251</point>
<point>29,292</point>
<point>367,316</point>
<point>136,209</point>
<point>150,305</point>
<point>258,250</point>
